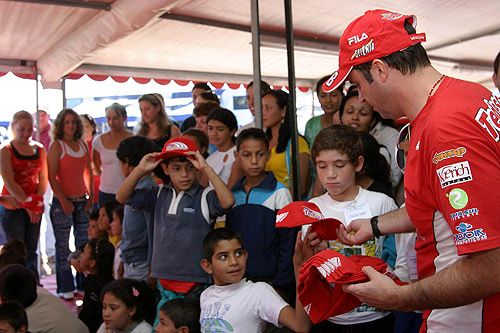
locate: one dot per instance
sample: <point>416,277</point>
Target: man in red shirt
<point>452,176</point>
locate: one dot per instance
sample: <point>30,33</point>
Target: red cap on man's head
<point>298,213</point>
<point>177,147</point>
<point>376,34</point>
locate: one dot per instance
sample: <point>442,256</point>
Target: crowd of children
<point>190,244</point>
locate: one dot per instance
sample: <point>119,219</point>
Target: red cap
<point>321,279</point>
<point>177,147</point>
<point>374,35</point>
<point>298,213</point>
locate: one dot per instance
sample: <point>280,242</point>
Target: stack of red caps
<point>34,203</point>
<point>299,213</point>
<point>321,278</point>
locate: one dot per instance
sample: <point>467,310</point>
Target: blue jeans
<point>104,198</point>
<point>62,224</point>
<point>16,224</point>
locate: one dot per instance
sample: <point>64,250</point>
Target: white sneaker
<point>67,296</point>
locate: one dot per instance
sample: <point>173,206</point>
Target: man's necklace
<point>435,85</point>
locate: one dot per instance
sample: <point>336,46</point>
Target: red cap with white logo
<point>376,34</point>
<point>299,213</point>
<point>322,276</point>
<point>177,147</point>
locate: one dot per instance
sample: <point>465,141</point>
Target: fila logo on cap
<point>357,39</point>
<point>176,146</point>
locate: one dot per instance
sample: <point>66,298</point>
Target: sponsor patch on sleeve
<point>454,174</point>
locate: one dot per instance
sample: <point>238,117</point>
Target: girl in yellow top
<point>275,119</point>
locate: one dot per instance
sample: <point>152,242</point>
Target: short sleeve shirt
<point>452,177</point>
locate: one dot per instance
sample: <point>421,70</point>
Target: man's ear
<point>207,266</point>
<point>379,70</point>
<point>22,329</point>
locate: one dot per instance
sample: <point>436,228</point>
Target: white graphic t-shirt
<point>243,307</point>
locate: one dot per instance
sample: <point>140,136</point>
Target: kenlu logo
<point>454,174</point>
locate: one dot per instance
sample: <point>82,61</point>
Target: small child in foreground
<point>180,315</point>
<point>13,318</point>
<point>234,304</point>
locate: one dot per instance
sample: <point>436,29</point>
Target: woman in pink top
<point>24,171</point>
<point>70,176</point>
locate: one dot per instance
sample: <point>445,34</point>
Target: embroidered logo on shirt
<point>457,152</point>
<point>458,198</point>
<point>454,174</point>
<point>188,210</point>
<point>468,235</point>
<point>462,214</point>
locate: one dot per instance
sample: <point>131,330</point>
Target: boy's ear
<point>132,311</point>
<point>183,329</point>
<point>207,266</point>
<point>92,263</point>
<point>164,168</point>
<point>22,329</point>
<point>360,163</point>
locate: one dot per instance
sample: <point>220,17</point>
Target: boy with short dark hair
<point>137,225</point>
<point>180,315</point>
<point>183,213</point>
<point>45,312</point>
<point>337,153</point>
<point>13,318</point>
<point>233,302</point>
<point>258,196</point>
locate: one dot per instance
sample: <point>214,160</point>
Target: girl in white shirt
<point>222,126</point>
<point>127,306</point>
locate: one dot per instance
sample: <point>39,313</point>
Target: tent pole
<point>257,90</point>
<point>63,86</point>
<point>292,111</point>
<point>37,122</point>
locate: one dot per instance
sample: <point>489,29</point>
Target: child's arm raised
<point>223,193</point>
<point>297,319</point>
<point>146,165</point>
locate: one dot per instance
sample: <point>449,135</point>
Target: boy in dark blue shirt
<point>183,213</point>
<point>258,196</point>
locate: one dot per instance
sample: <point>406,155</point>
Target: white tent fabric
<point>211,39</point>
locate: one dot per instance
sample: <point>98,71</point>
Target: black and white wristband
<point>375,230</point>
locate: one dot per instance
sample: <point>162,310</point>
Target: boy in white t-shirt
<point>234,304</point>
<point>337,153</point>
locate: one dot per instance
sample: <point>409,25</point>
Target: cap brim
<point>168,154</point>
<point>336,79</point>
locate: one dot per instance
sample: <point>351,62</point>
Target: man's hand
<point>356,233</point>
<point>380,292</point>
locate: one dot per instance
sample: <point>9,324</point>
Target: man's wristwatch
<point>375,230</point>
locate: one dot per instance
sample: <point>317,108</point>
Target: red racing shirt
<point>452,178</point>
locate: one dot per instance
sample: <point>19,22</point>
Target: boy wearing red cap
<point>337,153</point>
<point>234,304</point>
<point>183,213</point>
<point>451,174</point>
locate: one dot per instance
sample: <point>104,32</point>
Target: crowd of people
<point>192,227</point>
